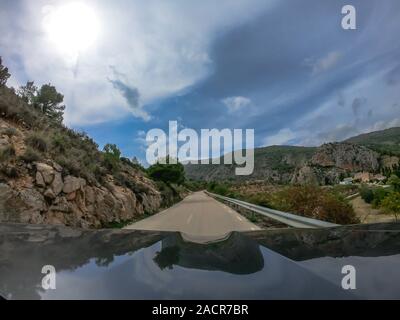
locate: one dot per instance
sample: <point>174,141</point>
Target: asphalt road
<point>199,218</point>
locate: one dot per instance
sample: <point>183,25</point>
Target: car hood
<point>269,264</point>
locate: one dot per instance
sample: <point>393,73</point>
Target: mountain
<point>384,141</point>
<point>50,174</point>
<point>328,164</point>
<point>274,164</point>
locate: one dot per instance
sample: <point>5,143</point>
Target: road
<point>199,218</point>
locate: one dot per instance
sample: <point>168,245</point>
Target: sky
<point>286,69</point>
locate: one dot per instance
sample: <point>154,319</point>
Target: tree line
<point>45,99</point>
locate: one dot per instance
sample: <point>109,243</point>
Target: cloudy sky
<point>284,68</point>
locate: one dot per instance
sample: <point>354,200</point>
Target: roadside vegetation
<point>386,199</point>
<point>309,201</point>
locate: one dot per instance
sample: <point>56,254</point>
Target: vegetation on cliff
<point>50,173</point>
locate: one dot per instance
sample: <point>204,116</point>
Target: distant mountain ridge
<point>383,141</point>
<point>328,164</point>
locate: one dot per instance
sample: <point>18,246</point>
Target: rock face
<point>70,201</point>
<point>333,161</point>
<point>54,175</point>
<point>327,164</point>
<point>346,156</point>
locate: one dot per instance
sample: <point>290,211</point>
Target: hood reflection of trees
<point>237,255</point>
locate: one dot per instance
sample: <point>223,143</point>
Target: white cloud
<point>284,136</point>
<point>235,104</point>
<point>157,47</point>
<point>324,63</point>
<point>382,125</point>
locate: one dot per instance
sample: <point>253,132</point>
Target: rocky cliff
<point>44,192</point>
<point>327,164</point>
<point>333,161</point>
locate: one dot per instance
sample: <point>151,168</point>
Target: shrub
<point>30,155</point>
<point>367,194</point>
<point>391,203</point>
<point>168,173</point>
<point>4,74</point>
<point>379,195</point>
<point>394,181</point>
<point>7,153</point>
<point>71,165</point>
<point>37,142</point>
<point>261,200</point>
<point>111,157</point>
<point>10,172</point>
<point>10,132</point>
<point>314,202</point>
<point>59,143</point>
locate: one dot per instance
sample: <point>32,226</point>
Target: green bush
<point>261,200</point>
<point>30,155</point>
<point>367,194</point>
<point>37,141</point>
<point>168,173</point>
<point>10,132</point>
<point>394,181</point>
<point>391,203</point>
<point>10,172</point>
<point>379,195</point>
<point>7,154</point>
<point>111,158</point>
<point>314,202</point>
<point>59,143</point>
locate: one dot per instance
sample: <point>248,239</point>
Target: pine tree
<point>49,101</point>
<point>4,74</point>
<point>28,93</point>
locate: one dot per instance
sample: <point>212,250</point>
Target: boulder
<point>49,193</point>
<point>72,184</point>
<point>71,196</point>
<point>305,175</point>
<point>90,195</point>
<point>46,171</point>
<point>24,206</point>
<point>57,167</point>
<point>39,180</point>
<point>57,184</point>
<point>61,205</point>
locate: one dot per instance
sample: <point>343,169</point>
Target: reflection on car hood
<point>270,264</point>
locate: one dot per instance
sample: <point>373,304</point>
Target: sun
<point>72,27</point>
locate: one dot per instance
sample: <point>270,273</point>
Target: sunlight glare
<point>73,27</point>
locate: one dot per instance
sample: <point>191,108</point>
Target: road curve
<point>199,218</point>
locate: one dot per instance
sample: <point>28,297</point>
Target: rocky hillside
<point>53,175</point>
<point>327,164</point>
<point>384,141</point>
<point>273,164</point>
<point>333,161</point>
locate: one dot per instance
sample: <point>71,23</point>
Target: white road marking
<point>239,218</point>
<point>189,219</point>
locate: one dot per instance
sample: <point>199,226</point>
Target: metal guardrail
<point>289,219</point>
